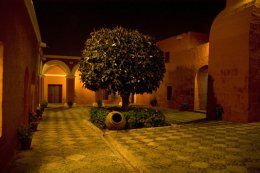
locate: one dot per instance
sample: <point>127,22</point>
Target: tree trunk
<point>125,100</point>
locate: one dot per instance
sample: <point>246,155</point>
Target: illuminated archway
<point>61,64</point>
<point>55,81</point>
<point>201,89</point>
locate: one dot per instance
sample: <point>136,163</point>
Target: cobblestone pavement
<point>66,143</point>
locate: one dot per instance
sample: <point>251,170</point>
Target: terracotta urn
<point>115,121</point>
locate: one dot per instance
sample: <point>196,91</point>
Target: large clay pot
<point>115,121</point>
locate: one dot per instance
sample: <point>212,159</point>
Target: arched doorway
<point>201,89</point>
<point>54,84</point>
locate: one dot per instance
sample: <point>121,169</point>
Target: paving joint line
<point>114,146</point>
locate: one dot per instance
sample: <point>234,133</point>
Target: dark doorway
<point>55,93</point>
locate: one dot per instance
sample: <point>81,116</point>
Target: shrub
<point>98,116</point>
<point>24,132</point>
<point>144,117</point>
<point>43,104</point>
<point>39,113</point>
<point>136,117</point>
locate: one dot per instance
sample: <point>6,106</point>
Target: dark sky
<point>66,24</point>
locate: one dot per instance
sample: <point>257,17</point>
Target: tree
<point>121,61</point>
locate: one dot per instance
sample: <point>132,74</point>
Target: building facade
<point>20,53</point>
<point>185,80</point>
<point>234,62</point>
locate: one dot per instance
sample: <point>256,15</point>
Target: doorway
<point>201,89</point>
<point>54,93</point>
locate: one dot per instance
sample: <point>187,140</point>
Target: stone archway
<point>61,64</point>
<point>55,75</point>
<point>201,89</point>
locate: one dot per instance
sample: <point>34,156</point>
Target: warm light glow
<point>57,75</point>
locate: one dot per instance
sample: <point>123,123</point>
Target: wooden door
<point>55,93</point>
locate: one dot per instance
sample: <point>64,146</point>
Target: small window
<point>105,94</point>
<point>169,92</point>
<point>167,57</point>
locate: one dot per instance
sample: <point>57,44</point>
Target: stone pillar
<point>41,87</point>
<point>70,85</point>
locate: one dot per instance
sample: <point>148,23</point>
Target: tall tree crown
<point>121,60</point>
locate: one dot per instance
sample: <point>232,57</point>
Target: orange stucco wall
<point>229,62</point>
<point>20,80</point>
<point>188,53</point>
<point>143,99</point>
<point>83,95</point>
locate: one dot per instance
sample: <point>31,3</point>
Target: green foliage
<point>32,117</point>
<point>121,60</point>
<point>142,117</point>
<point>135,117</point>
<point>25,132</point>
<point>43,104</point>
<point>98,116</point>
<point>39,113</point>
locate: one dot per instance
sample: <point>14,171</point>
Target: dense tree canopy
<point>121,61</point>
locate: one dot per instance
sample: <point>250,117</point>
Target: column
<point>70,86</point>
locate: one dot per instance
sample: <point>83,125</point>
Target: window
<point>169,92</point>
<point>1,83</point>
<point>166,57</point>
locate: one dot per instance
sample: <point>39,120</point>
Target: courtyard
<point>67,142</point>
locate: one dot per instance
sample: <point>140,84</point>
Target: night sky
<point>66,24</point>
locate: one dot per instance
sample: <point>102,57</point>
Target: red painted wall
<point>231,64</point>
<point>19,62</point>
<point>188,53</point>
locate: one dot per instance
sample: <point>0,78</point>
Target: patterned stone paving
<point>66,143</point>
<point>194,147</point>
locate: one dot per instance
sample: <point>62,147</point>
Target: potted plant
<point>33,121</point>
<point>43,105</point>
<point>70,103</point>
<point>25,134</point>
<point>39,113</point>
<point>153,101</point>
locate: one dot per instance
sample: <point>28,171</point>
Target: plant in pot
<point>153,101</point>
<point>33,121</point>
<point>70,103</point>
<point>25,134</point>
<point>39,113</point>
<point>43,105</point>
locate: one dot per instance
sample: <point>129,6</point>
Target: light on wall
<point>57,75</point>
